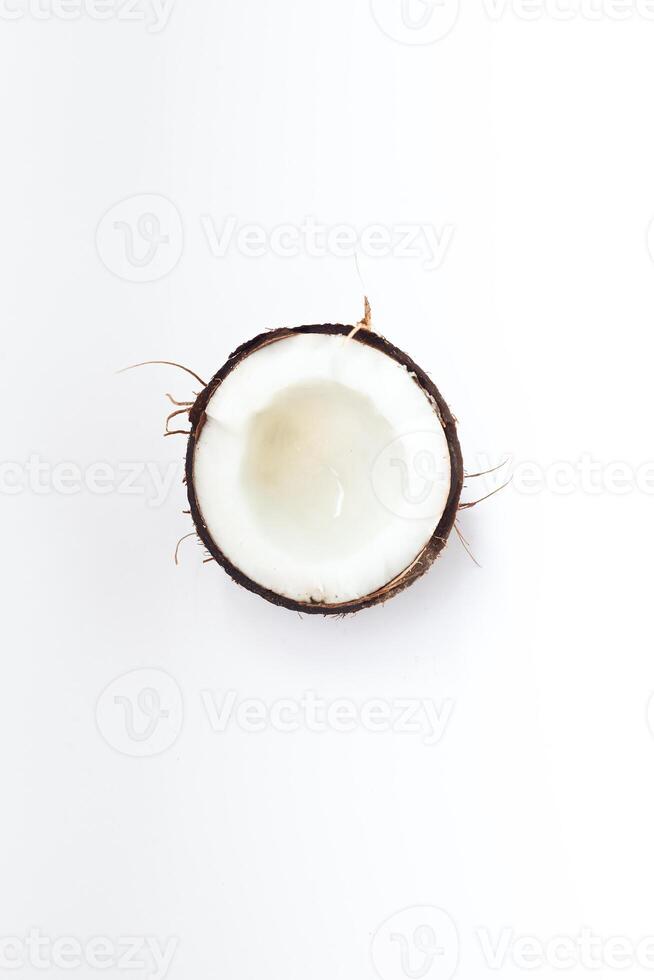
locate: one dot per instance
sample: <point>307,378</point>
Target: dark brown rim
<point>433,547</point>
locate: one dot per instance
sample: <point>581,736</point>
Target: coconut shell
<point>437,541</point>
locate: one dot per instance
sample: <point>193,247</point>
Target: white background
<point>281,854</point>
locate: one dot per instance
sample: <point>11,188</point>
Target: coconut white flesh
<point>322,469</point>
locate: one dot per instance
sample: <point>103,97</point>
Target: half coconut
<point>323,468</point>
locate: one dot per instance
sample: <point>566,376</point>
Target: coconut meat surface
<point>322,469</point>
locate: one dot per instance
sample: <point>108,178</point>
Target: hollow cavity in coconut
<point>323,468</point>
